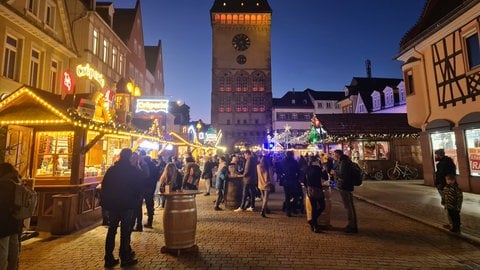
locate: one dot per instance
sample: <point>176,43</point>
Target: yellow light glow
<point>90,73</point>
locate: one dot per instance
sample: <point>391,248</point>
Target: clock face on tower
<point>241,42</point>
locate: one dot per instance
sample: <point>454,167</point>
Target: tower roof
<point>231,6</point>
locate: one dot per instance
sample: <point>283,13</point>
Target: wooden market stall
<point>63,151</point>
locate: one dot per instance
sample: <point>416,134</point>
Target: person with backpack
<point>10,227</point>
<point>191,175</point>
<point>343,178</point>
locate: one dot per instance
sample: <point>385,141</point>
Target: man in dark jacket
<point>208,174</point>
<point>291,182</point>
<point>250,181</point>
<point>119,195</point>
<point>10,228</point>
<point>445,166</point>
<point>342,174</point>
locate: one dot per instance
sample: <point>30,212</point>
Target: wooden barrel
<point>233,191</point>
<point>180,221</point>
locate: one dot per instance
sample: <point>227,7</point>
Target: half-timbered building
<point>441,55</point>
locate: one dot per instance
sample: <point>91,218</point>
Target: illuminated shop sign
<point>91,73</point>
<point>152,105</point>
<point>68,82</point>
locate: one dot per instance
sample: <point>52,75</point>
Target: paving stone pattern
<point>245,240</point>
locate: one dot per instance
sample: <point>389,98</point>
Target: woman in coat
<point>265,181</point>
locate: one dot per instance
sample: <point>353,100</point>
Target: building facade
<point>241,71</point>
<point>441,55</point>
<point>61,64</point>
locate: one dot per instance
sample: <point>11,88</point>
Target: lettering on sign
<point>91,73</point>
<point>152,105</point>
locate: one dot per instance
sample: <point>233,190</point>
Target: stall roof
<point>346,124</point>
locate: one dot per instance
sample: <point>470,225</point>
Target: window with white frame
<point>10,58</point>
<point>377,103</point>
<point>53,76</point>
<point>329,105</point>
<point>105,50</point>
<point>50,13</point>
<point>320,105</point>
<point>402,95</point>
<point>409,82</point>
<point>114,57</point>
<point>473,50</point>
<point>32,6</point>
<point>388,93</point>
<point>95,42</point>
<point>121,64</point>
<point>34,67</point>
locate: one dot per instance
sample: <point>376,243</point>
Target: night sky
<point>317,44</point>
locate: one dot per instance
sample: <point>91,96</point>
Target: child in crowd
<point>453,201</point>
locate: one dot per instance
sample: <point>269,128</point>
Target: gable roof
<point>435,14</point>
<point>325,95</point>
<point>230,6</point>
<point>358,124</point>
<point>123,20</point>
<point>293,99</point>
<point>33,106</point>
<point>151,56</point>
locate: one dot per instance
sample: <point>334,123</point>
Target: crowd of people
<point>135,180</point>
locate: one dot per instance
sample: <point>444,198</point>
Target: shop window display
<point>446,141</point>
<point>473,150</point>
<point>54,156</point>
<point>103,153</point>
<point>370,150</point>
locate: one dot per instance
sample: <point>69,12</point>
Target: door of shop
<point>18,148</point>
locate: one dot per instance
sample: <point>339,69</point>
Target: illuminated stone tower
<point>241,71</point>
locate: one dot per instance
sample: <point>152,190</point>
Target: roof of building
<point>293,99</point>
<point>326,95</point>
<point>348,124</point>
<point>151,56</point>
<point>228,6</point>
<point>364,87</point>
<point>435,13</point>
<point>123,20</point>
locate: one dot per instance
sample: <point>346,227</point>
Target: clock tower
<point>241,71</point>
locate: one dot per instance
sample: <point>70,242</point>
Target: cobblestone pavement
<point>245,240</point>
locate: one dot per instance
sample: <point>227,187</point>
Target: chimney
<point>368,65</point>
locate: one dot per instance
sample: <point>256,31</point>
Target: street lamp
<point>134,91</point>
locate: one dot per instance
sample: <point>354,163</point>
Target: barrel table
<point>180,221</point>
<point>233,192</point>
